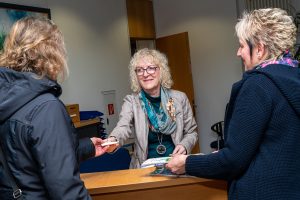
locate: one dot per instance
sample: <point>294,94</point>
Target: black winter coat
<point>39,140</point>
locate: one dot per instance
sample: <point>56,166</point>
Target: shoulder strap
<point>17,192</point>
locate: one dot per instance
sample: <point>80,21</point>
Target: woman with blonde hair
<point>38,141</point>
<point>261,156</point>
<point>162,118</point>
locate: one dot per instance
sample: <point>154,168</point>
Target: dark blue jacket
<point>38,139</point>
<point>261,158</point>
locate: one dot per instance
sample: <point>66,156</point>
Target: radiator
<point>256,4</point>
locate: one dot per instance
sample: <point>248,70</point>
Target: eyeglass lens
<point>150,70</point>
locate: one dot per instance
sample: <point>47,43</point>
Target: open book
<point>151,162</point>
<point>161,170</point>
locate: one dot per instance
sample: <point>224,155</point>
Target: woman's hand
<point>179,149</point>
<point>99,150</point>
<point>112,147</point>
<point>177,164</point>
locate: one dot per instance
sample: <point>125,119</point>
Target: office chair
<point>107,162</point>
<point>218,128</point>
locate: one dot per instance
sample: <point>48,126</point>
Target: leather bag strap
<point>17,192</point>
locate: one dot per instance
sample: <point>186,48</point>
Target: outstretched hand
<point>112,147</point>
<point>99,150</point>
<point>177,164</point>
<point>179,149</point>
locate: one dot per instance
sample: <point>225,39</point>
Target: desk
<point>86,122</point>
<point>135,184</point>
<point>88,128</point>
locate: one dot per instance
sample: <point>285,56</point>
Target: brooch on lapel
<point>171,108</point>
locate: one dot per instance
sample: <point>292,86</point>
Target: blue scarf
<point>164,120</point>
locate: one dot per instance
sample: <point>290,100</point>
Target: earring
<point>258,55</point>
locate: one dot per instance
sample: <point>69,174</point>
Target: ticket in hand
<point>109,143</point>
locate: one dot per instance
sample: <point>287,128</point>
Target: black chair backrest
<point>218,128</point>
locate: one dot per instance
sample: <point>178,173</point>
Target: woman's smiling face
<point>149,80</point>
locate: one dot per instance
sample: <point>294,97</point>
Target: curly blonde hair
<point>155,57</point>
<point>35,45</point>
<point>271,26</point>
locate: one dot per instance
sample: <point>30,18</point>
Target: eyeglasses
<point>151,69</point>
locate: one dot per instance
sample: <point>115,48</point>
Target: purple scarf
<point>285,59</point>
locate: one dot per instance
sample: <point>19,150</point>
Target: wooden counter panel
<point>137,184</point>
<point>181,192</point>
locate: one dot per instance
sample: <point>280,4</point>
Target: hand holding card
<point>109,143</point>
<point>112,144</point>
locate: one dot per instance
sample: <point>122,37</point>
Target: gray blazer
<point>132,120</point>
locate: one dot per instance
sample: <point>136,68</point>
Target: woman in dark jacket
<point>261,157</point>
<point>36,133</point>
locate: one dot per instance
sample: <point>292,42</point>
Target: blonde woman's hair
<point>156,58</point>
<point>271,26</point>
<point>35,45</point>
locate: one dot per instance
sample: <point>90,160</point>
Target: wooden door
<point>140,19</point>
<point>176,48</point>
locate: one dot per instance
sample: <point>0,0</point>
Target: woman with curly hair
<point>162,118</point>
<point>261,156</point>
<point>37,138</point>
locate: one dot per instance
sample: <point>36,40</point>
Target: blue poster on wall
<point>10,13</point>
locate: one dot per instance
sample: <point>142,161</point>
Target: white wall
<point>97,41</point>
<point>96,35</point>
<point>213,46</point>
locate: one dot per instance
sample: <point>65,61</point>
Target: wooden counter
<point>136,184</point>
